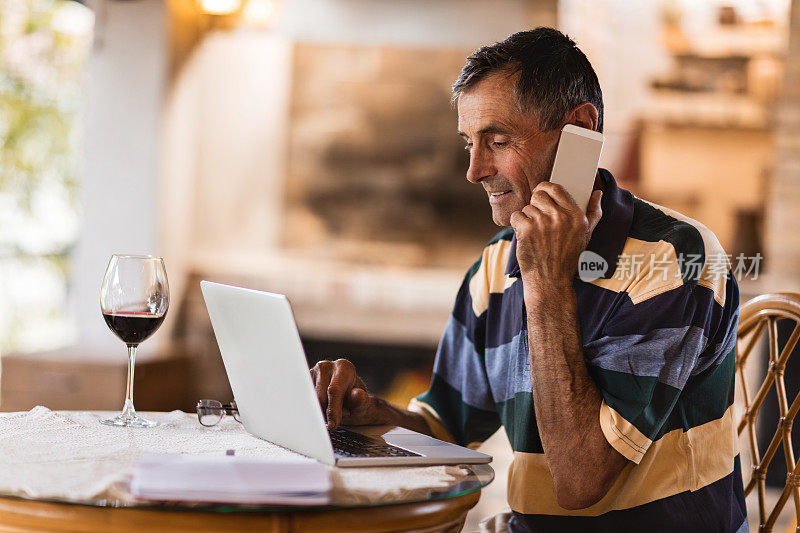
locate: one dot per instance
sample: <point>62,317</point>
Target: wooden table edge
<point>18,515</point>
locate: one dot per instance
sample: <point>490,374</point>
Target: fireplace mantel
<point>337,300</point>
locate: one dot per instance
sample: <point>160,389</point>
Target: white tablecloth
<point>69,455</point>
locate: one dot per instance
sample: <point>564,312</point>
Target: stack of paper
<point>231,479</point>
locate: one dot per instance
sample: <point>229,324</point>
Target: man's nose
<point>480,165</point>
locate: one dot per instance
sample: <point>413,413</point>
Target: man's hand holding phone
<point>552,232</point>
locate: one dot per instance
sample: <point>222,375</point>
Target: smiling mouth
<point>498,194</point>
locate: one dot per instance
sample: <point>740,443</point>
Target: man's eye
<point>500,144</point>
<point>468,147</point>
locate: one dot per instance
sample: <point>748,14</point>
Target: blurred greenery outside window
<point>44,48</point>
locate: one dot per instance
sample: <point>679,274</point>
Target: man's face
<point>508,154</point>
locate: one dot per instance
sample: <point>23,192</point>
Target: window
<point>44,45</point>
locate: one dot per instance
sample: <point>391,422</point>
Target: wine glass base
<point>129,421</point>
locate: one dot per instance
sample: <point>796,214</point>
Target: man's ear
<point>585,115</point>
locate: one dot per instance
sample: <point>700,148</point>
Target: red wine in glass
<point>134,299</point>
<point>133,328</point>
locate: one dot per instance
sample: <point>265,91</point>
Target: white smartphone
<point>577,157</point>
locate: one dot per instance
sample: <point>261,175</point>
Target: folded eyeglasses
<point>211,412</point>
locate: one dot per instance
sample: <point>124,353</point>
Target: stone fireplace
<point>376,170</point>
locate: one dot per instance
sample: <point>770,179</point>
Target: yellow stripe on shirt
<point>677,462</point>
<point>716,266</point>
<point>490,276</point>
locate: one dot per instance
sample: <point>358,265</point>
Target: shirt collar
<point>611,232</point>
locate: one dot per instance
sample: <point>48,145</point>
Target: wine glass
<point>134,300</point>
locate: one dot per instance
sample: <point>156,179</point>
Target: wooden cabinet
<point>74,379</point>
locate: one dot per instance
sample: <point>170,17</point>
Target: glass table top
<point>69,457</point>
<point>472,478</point>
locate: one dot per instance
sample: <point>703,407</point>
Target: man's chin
<point>501,217</point>
<point>502,211</point>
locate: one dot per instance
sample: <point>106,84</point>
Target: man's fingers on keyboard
<point>337,389</point>
<point>356,398</point>
<point>333,414</point>
<point>321,375</point>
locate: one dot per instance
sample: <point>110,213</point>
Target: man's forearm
<point>397,416</point>
<point>566,399</point>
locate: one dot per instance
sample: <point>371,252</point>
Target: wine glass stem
<point>128,407</point>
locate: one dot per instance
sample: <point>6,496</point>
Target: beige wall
<point>124,91</point>
<point>708,173</point>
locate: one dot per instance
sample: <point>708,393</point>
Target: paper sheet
<point>231,479</point>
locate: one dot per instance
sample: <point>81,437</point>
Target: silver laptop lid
<point>267,368</point>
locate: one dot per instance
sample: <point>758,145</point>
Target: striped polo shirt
<point>659,335</point>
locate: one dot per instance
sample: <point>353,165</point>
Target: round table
<point>442,507</point>
<point>442,513</point>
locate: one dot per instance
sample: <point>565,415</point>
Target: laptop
<point>269,375</point>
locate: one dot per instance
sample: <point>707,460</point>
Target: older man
<point>615,392</point>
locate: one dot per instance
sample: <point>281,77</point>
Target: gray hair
<point>554,75</point>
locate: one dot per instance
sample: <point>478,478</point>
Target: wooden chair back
<point>756,317</point>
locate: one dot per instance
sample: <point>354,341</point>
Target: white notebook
<point>231,479</point>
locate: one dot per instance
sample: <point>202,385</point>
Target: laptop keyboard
<point>351,444</point>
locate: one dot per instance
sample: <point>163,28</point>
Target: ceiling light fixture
<point>219,7</point>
